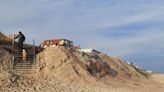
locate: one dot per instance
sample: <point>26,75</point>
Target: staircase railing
<point>17,56</point>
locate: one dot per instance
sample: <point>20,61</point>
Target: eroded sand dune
<point>68,70</point>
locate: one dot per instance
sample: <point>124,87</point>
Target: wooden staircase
<point>20,67</point>
<point>23,68</point>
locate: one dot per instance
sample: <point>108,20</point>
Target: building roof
<point>56,40</point>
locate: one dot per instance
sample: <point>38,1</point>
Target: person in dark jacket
<point>21,39</point>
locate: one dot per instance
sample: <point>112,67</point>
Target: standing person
<point>21,39</point>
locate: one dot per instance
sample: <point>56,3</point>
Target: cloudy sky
<point>130,29</point>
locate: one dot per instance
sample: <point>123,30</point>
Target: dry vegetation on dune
<point>4,39</point>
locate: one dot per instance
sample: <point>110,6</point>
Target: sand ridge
<point>67,70</point>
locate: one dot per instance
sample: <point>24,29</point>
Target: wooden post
<point>13,43</point>
<point>34,53</point>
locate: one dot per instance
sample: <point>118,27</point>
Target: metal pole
<point>13,43</point>
<point>34,53</point>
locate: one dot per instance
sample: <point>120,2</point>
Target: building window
<point>51,42</point>
<point>48,42</point>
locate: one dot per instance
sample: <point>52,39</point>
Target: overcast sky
<point>130,29</point>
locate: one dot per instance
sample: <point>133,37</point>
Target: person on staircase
<point>21,39</point>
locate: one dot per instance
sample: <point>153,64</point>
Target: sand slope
<point>72,65</point>
<point>158,78</point>
<point>67,70</point>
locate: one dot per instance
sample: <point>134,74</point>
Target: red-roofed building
<point>57,42</point>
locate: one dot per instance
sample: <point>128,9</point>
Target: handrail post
<point>34,53</point>
<point>13,43</point>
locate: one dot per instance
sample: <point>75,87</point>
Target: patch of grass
<point>5,42</point>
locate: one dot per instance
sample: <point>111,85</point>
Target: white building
<point>88,50</point>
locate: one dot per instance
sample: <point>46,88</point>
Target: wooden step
<point>20,60</point>
<point>18,56</point>
<point>23,72</point>
<point>24,63</point>
<point>29,54</point>
<point>23,67</point>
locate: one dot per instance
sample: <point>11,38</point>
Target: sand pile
<point>68,70</point>
<point>33,82</point>
<point>74,66</point>
<point>41,84</point>
<point>5,59</point>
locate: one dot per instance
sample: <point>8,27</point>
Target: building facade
<point>57,42</point>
